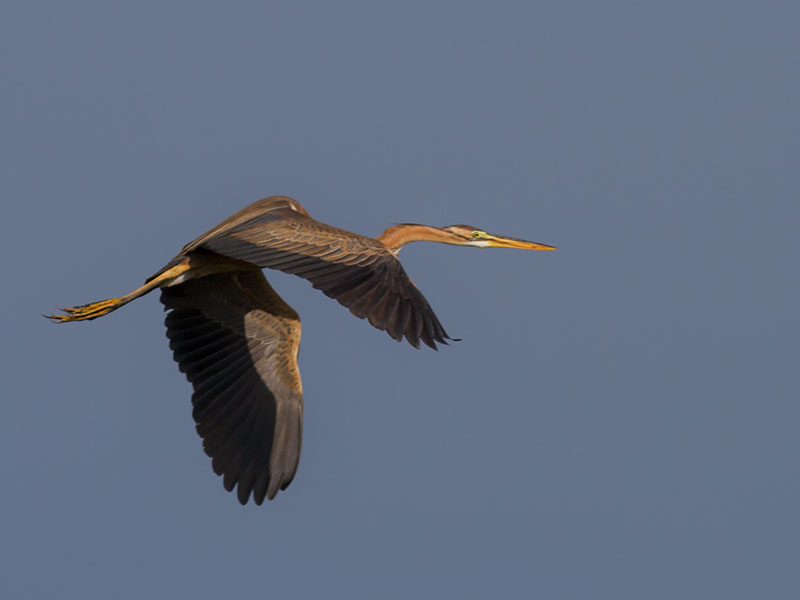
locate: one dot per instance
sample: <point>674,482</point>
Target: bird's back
<point>264,210</point>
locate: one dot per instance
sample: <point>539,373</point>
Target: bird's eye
<point>477,234</point>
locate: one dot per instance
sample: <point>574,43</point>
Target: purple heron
<point>237,340</point>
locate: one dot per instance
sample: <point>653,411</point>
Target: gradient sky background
<point>621,418</point>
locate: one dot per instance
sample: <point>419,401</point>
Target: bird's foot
<point>86,312</point>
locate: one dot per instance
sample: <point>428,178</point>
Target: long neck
<point>398,236</point>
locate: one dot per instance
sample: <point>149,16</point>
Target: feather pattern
<point>237,342</point>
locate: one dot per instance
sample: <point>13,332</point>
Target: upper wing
<point>357,271</point>
<point>237,342</point>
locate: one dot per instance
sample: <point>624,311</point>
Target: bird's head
<point>464,235</point>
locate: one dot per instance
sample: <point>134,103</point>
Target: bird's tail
<point>93,310</point>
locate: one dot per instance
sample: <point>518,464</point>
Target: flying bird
<point>237,340</point>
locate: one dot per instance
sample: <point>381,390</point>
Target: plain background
<point>621,418</point>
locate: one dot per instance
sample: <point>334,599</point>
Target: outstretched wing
<point>359,272</point>
<point>237,341</point>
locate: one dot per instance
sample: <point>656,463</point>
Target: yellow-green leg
<point>93,310</point>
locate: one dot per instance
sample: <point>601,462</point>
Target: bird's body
<point>237,340</point>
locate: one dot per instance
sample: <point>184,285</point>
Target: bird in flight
<point>237,340</point>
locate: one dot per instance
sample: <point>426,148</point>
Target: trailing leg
<point>93,310</point>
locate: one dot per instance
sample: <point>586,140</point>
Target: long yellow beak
<point>496,241</point>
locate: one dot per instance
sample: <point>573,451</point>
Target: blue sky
<point>620,419</point>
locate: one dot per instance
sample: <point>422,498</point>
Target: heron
<point>237,340</point>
